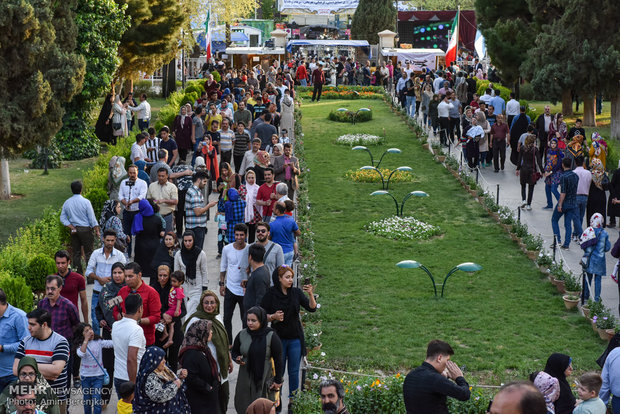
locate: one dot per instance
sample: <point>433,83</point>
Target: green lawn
<point>503,321</point>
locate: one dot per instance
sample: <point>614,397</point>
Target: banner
<point>324,6</point>
<point>419,60</point>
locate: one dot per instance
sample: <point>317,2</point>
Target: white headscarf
<point>118,171</point>
<point>588,237</point>
<point>250,197</point>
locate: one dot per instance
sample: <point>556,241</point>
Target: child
<point>89,348</point>
<point>285,138</point>
<point>175,298</point>
<point>125,391</point>
<point>589,385</point>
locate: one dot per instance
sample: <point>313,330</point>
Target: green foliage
<point>170,111</point>
<point>190,98</point>
<point>39,267</point>
<point>76,140</point>
<point>372,17</point>
<point>53,154</point>
<point>349,116</point>
<point>41,71</point>
<point>18,293</point>
<point>482,85</point>
<point>144,86</point>
<point>195,86</point>
<point>98,197</point>
<point>527,92</point>
<point>267,8</point>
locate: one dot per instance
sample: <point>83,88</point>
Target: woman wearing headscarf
<point>119,119</point>
<point>598,149</point>
<point>553,171</point>
<point>142,171</point>
<point>261,162</point>
<point>103,127</point>
<point>595,242</point>
<point>517,128</point>
<point>613,206</point>
<point>203,380</point>
<point>282,303</point>
<point>162,285</point>
<point>110,220</point>
<point>116,175</point>
<point>148,228</point>
<point>433,113</point>
<point>158,389</point>
<point>28,371</point>
<point>483,145</point>
<point>427,95</point>
<point>227,179</point>
<point>165,252</point>
<point>209,153</point>
<point>235,212</point>
<point>597,198</point>
<point>258,351</point>
<point>560,366</point>
<point>105,315</point>
<point>182,132</point>
<point>219,344</point>
<point>248,193</point>
<point>287,120</point>
<point>526,167</point>
<point>548,386</point>
<point>558,130</point>
<point>192,261</point>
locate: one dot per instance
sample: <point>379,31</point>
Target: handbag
<point>535,175</point>
<point>116,126</point>
<point>106,376</point>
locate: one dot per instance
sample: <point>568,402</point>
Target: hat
<point>200,162</point>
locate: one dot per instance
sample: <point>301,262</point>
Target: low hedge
<point>189,95</point>
<point>17,292</point>
<point>482,85</point>
<point>350,116</point>
<point>343,94</point>
<point>374,89</point>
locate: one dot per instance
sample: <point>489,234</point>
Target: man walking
<point>100,270</point>
<point>286,169</point>
<point>248,157</point>
<point>144,113</point>
<point>78,215</point>
<point>131,191</point>
<point>14,327</point>
<point>426,388</point>
<point>165,195</point>
<point>233,268</point>
<point>583,189</point>
<point>129,342</point>
<point>512,108</point>
<point>567,204</point>
<point>196,212</point>
<point>284,229</point>
<point>274,257</point>
<point>73,284</point>
<point>64,313</point>
<point>259,280</point>
<point>318,80</point>
<point>266,195</point>
<point>443,110</point>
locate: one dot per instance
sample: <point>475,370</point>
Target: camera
<point>159,327</point>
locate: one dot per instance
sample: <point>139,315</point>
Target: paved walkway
<point>538,219</point>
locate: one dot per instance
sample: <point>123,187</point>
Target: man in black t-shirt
<point>576,130</point>
<point>259,280</point>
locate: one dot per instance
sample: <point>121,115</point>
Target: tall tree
<point>229,11</point>
<point>153,38</point>
<point>40,71</point>
<point>372,17</point>
<point>100,25</point>
<point>566,58</point>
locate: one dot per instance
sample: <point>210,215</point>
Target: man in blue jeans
<point>583,188</point>
<point>567,204</point>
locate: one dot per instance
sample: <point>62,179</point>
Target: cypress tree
<point>372,17</point>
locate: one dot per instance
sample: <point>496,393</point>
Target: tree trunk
<point>615,116</point>
<point>168,81</point>
<point>589,111</point>
<point>5,180</point>
<point>516,88</point>
<point>567,103</point>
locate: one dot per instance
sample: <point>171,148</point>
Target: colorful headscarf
<point>145,210</point>
<point>262,159</point>
<point>589,237</point>
<point>598,148</point>
<point>598,172</point>
<point>549,387</point>
<point>108,210</point>
<point>554,157</point>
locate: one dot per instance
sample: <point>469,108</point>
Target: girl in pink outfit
<point>175,298</point>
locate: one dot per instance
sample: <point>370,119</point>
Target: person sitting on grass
<point>589,385</point>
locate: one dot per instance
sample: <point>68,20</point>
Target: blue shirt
<point>568,183</point>
<point>14,328</point>
<point>611,376</point>
<point>282,229</point>
<point>78,211</point>
<point>498,103</point>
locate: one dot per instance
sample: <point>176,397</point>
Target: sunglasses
<point>261,230</point>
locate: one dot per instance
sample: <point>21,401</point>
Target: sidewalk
<point>538,219</point>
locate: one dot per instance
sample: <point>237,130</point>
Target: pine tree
<point>40,72</point>
<point>372,17</point>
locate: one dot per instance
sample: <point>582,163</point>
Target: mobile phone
<point>306,281</point>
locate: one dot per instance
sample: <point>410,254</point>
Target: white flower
<point>322,354</point>
<point>315,376</point>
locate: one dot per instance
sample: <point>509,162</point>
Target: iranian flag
<point>208,34</point>
<point>454,41</point>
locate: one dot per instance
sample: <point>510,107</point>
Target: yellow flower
<point>398,375</point>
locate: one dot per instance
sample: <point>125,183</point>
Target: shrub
<point>97,196</point>
<point>526,91</point>
<point>190,98</point>
<point>18,293</point>
<point>170,111</point>
<point>76,140</point>
<point>195,86</point>
<point>39,267</point>
<point>350,116</point>
<point>482,85</point>
<point>144,86</point>
<point>54,157</point>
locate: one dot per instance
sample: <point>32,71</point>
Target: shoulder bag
<point>106,376</point>
<point>535,174</point>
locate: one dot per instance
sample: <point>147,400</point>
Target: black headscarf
<point>613,344</point>
<point>190,256</point>
<point>103,130</point>
<point>556,365</point>
<point>258,348</point>
<point>519,127</point>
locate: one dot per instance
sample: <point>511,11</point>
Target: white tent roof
<point>254,51</point>
<point>400,51</point>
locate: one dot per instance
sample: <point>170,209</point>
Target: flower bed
<point>402,228</point>
<point>371,176</point>
<point>350,116</point>
<point>343,95</point>
<point>341,88</point>
<point>359,139</point>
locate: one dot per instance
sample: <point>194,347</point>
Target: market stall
<point>253,56</point>
<point>326,48</point>
<point>420,59</point>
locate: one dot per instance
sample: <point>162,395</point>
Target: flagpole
<point>458,24</point>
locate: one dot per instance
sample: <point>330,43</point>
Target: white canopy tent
<point>418,58</point>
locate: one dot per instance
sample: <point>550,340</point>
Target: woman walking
<point>192,261</point>
<point>148,228</point>
<point>110,220</point>
<point>182,133</point>
<point>248,192</point>
<point>103,127</point>
<point>553,172</point>
<point>527,170</point>
<point>595,243</point>
<point>597,197</point>
<point>288,107</point>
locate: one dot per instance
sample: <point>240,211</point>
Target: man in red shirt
<point>74,284</point>
<point>267,196</point>
<point>500,137</point>
<point>302,75</point>
<point>151,314</point>
<point>318,79</point>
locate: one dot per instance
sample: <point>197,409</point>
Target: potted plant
<point>544,261</point>
<point>604,323</point>
<point>572,286</point>
<point>532,245</point>
<point>570,301</point>
<point>425,143</point>
<point>586,308</point>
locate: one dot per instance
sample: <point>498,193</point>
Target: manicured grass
<point>503,321</point>
<point>34,192</point>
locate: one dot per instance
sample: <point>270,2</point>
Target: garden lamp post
<point>468,267</point>
<point>386,184</point>
<point>372,160</point>
<point>357,113</point>
<point>399,209</point>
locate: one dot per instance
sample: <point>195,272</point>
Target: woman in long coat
<point>182,132</point>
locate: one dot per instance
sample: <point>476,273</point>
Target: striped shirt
<point>54,348</point>
<point>152,148</point>
<point>226,139</point>
<point>194,199</point>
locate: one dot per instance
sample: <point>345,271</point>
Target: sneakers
<point>547,207</point>
<point>523,204</point>
<point>528,207</point>
<point>563,247</point>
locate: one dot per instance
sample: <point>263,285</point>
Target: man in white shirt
<point>129,342</point>
<point>233,268</point>
<point>401,88</point>
<point>131,191</point>
<point>138,150</point>
<point>165,195</point>
<point>486,98</point>
<point>443,110</point>
<point>512,108</point>
<point>408,70</point>
<point>248,157</point>
<point>144,112</point>
<point>438,83</point>
<point>583,189</point>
